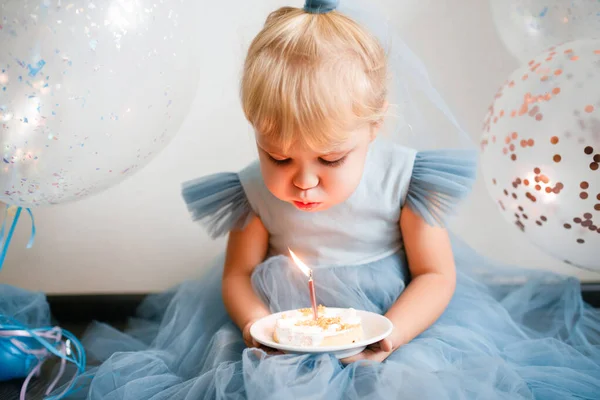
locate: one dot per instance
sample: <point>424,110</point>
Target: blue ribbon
<point>320,6</point>
<point>6,243</point>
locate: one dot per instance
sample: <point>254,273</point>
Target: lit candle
<point>311,285</point>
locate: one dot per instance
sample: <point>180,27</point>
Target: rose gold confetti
<point>539,223</point>
<point>593,166</point>
<point>537,179</point>
<point>518,180</point>
<point>583,195</point>
<point>507,140</point>
<point>505,192</point>
<point>567,226</point>
<point>596,51</point>
<point>495,119</point>
<point>556,91</point>
<point>587,216</point>
<point>577,220</point>
<point>530,142</point>
<point>557,158</point>
<point>494,181</point>
<point>511,147</point>
<point>592,227</point>
<point>588,150</point>
<point>513,113</point>
<point>568,51</point>
<point>554,140</point>
<point>501,113</point>
<point>534,111</point>
<point>574,58</point>
<point>543,218</point>
<point>539,117</point>
<point>558,72</point>
<point>526,183</point>
<point>580,241</point>
<point>597,158</point>
<point>520,208</point>
<point>584,185</point>
<point>525,77</point>
<point>513,157</point>
<point>537,170</point>
<point>598,196</point>
<point>523,143</point>
<point>514,195</point>
<point>514,135</point>
<point>589,108</point>
<point>523,109</point>
<point>597,207</point>
<point>531,197</point>
<point>505,150</point>
<point>544,179</point>
<point>586,223</point>
<point>548,190</point>
<point>544,78</point>
<point>538,187</point>
<point>531,63</point>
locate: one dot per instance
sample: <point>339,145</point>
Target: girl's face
<point>312,180</point>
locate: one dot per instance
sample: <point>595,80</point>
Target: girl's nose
<point>305,180</point>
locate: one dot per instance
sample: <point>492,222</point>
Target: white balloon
<point>541,152</point>
<point>529,27</point>
<point>90,92</point>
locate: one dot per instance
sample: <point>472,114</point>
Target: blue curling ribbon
<point>6,243</point>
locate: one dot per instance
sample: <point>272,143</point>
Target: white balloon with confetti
<point>541,152</point>
<point>529,27</point>
<point>90,92</point>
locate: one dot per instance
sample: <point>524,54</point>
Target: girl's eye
<point>335,163</point>
<point>280,162</point>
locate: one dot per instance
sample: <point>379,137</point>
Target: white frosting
<point>289,333</point>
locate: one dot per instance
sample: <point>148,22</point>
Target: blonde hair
<point>312,78</point>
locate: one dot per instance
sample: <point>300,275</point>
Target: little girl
<point>368,216</point>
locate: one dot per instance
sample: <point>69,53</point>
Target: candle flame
<point>305,270</point>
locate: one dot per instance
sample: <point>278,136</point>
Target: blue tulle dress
<point>508,333</point>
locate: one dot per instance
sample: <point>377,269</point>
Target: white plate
<point>376,327</point>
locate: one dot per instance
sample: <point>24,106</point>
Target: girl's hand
<point>376,352</point>
<point>248,339</point>
<point>250,342</point>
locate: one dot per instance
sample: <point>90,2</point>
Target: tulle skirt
<point>508,333</point>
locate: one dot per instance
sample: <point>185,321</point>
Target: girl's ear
<point>376,126</point>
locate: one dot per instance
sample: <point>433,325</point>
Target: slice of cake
<point>334,327</point>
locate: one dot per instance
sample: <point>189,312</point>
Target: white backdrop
<point>137,237</point>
